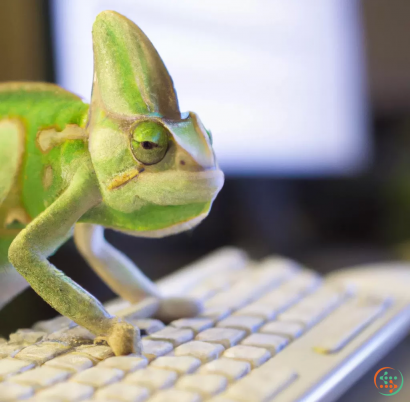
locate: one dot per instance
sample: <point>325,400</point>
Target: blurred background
<point>309,106</point>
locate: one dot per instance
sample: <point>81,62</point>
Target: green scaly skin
<point>130,161</point>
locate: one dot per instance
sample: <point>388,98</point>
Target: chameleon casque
<point>129,161</point>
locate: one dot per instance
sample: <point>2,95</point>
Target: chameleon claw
<point>123,338</point>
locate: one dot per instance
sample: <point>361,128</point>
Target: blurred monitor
<point>279,83</point>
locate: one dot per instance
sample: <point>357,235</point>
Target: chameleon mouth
<point>179,187</point>
<point>124,178</point>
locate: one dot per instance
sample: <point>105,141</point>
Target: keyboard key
<point>346,323</point>
<point>249,289</point>
<point>40,353</point>
<point>326,296</point>
<point>276,268</point>
<point>175,395</point>
<point>56,324</point>
<point>303,283</point>
<point>270,305</point>
<point>70,362</point>
<point>308,316</point>
<point>280,300</point>
<point>179,364</point>
<point>261,387</point>
<point>41,377</point>
<point>314,307</point>
<point>125,363</point>
<point>203,292</point>
<point>10,366</point>
<point>152,378</point>
<point>123,392</point>
<point>176,336</point>
<point>153,349</point>
<point>248,324</point>
<point>211,286</point>
<point>216,314</point>
<point>148,325</point>
<point>242,292</point>
<point>11,391</point>
<point>258,309</point>
<point>10,349</point>
<point>27,336</point>
<point>195,324</point>
<point>68,391</point>
<point>227,260</point>
<point>232,299</point>
<point>220,398</point>
<point>273,343</point>
<point>74,336</point>
<point>96,352</point>
<point>231,369</point>
<point>98,376</point>
<point>291,330</point>
<point>253,355</point>
<point>206,385</point>
<point>202,350</point>
<point>226,337</point>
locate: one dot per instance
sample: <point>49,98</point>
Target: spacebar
<point>347,322</point>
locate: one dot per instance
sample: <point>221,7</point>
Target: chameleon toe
<point>124,339</point>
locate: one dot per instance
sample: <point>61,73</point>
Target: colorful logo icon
<point>388,381</point>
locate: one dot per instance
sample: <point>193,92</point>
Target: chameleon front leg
<point>114,267</point>
<point>124,277</point>
<point>29,251</point>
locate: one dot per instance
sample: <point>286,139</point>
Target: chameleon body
<point>130,161</point>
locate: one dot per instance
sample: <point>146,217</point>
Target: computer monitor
<point>280,84</point>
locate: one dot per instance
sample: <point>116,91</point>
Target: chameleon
<point>129,161</point>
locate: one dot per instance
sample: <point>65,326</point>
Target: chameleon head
<point>155,166</point>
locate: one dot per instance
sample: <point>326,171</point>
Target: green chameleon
<point>129,161</point>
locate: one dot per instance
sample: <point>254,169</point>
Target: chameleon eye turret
<point>130,161</point>
<point>149,142</point>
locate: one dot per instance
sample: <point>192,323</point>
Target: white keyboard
<point>270,331</point>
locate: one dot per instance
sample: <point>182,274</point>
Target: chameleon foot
<point>123,338</point>
<point>173,308</point>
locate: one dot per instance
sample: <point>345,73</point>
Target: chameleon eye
<point>149,142</point>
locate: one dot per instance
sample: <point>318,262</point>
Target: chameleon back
<point>30,178</point>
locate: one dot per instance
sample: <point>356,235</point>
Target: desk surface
<point>364,389</point>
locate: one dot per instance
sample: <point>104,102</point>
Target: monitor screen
<point>280,84</point>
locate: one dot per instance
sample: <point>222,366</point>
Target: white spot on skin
<point>49,138</point>
<point>17,215</point>
<point>47,177</point>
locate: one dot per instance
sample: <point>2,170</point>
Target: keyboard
<point>270,330</point>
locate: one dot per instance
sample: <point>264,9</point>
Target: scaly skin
<point>38,106</point>
<point>130,161</point>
